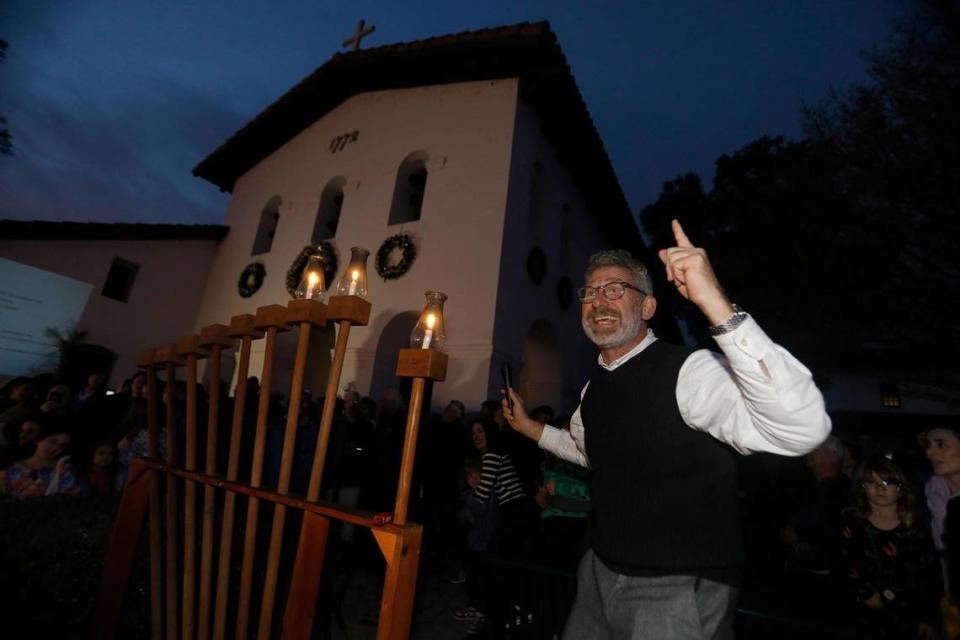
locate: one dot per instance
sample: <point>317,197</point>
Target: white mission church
<point>480,150</point>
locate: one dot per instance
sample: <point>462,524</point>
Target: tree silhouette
<point>845,244</point>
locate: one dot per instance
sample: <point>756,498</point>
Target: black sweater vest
<point>664,495</point>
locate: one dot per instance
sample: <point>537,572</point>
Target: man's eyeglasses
<point>876,484</point>
<point>610,291</point>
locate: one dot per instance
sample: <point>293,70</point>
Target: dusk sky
<point>111,103</point>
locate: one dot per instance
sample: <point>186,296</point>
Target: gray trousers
<point>610,606</point>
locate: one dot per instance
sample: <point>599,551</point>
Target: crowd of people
<point>862,537</point>
<point>640,488</point>
<point>55,440</point>
<point>862,534</point>
<point>478,486</point>
<point>857,538</point>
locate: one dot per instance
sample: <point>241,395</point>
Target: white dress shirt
<point>754,397</point>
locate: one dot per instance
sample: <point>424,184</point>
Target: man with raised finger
<point>660,425</point>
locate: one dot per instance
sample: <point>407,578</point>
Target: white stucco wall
<point>467,130</point>
<point>520,302</point>
<point>163,301</point>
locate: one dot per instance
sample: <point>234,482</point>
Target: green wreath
<point>386,268</point>
<point>251,279</point>
<point>328,256</point>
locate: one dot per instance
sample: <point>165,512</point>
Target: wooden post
<point>305,314</point>
<point>167,355</point>
<point>214,337</point>
<point>347,311</point>
<point>402,553</point>
<point>146,361</point>
<point>188,347</point>
<point>419,364</point>
<point>120,557</point>
<point>305,583</point>
<point>272,319</point>
<point>241,326</point>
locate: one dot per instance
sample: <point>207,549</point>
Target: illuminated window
<point>889,395</point>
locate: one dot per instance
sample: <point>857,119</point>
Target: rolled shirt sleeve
<point>562,444</point>
<point>756,398</point>
<point>567,445</point>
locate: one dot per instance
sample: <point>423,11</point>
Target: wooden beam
<point>308,313</point>
<point>171,502</point>
<point>213,337</point>
<point>156,523</point>
<point>121,552</point>
<point>240,327</point>
<point>272,319</point>
<point>358,517</point>
<point>400,586</point>
<point>305,583</point>
<point>188,347</point>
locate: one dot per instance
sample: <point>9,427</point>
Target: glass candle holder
<point>429,332</point>
<point>311,282</point>
<point>354,280</point>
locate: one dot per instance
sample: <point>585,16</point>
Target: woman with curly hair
<point>889,562</point>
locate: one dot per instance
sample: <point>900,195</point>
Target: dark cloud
<point>130,161</point>
<point>111,103</point>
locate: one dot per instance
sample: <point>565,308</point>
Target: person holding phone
<point>658,425</point>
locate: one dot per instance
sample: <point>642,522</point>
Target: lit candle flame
<point>313,279</point>
<point>355,274</point>
<point>431,320</point>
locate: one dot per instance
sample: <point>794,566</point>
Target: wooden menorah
<point>190,605</point>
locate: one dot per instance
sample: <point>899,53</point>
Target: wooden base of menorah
<point>243,325</point>
<point>313,312</point>
<point>215,335</point>
<point>147,359</point>
<point>352,308</point>
<point>190,346</point>
<point>167,354</point>
<point>422,363</point>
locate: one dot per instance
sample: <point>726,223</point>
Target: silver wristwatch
<point>731,323</point>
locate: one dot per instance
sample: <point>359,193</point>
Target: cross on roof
<point>359,35</point>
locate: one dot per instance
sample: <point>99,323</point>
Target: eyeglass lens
<point>611,291</point>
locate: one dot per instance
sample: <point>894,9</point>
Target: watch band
<point>731,323</point>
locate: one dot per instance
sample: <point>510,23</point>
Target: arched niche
<point>541,370</point>
<point>395,336</point>
<point>328,212</point>
<point>267,229</point>
<point>409,190</point>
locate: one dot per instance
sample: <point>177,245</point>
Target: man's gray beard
<point>628,330</point>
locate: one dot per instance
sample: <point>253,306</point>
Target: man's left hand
<point>689,269</point>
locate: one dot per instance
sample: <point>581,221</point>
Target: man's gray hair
<point>623,259</point>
